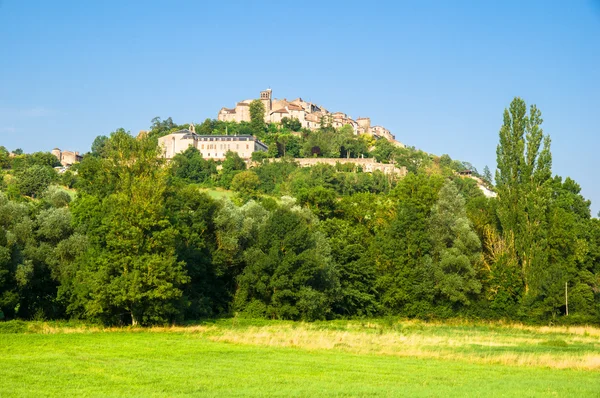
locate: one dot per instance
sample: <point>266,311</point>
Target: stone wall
<point>368,165</point>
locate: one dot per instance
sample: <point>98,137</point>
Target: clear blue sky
<point>438,74</point>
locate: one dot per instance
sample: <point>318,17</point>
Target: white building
<point>211,146</point>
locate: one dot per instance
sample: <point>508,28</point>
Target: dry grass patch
<point>483,342</point>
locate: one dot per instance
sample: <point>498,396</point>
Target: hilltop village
<point>311,116</point>
<point>360,146</point>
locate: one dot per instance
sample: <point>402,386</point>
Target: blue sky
<point>438,74</point>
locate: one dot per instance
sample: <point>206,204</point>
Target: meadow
<point>234,357</point>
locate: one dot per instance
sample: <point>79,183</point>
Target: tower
<point>56,152</point>
<point>265,98</point>
<point>365,124</point>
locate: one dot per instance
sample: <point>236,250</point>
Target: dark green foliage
<point>405,283</point>
<point>257,117</point>
<point>245,184</point>
<point>232,165</point>
<point>192,214</point>
<point>273,174</point>
<point>131,266</point>
<point>322,201</point>
<point>289,274</point>
<point>292,124</point>
<point>4,158</point>
<point>355,269</point>
<point>192,167</point>
<point>99,146</point>
<point>456,249</point>
<point>34,180</point>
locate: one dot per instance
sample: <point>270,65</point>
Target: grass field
<point>218,193</point>
<point>266,358</point>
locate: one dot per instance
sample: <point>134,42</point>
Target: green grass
<point>218,193</point>
<point>265,358</point>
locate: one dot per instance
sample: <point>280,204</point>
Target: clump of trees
<point>142,243</point>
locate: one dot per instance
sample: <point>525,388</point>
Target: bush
<point>56,197</point>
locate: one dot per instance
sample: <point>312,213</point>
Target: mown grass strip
<point>182,364</point>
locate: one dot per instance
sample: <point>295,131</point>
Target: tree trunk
<point>134,321</point>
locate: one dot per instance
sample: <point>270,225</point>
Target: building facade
<point>211,146</point>
<point>67,158</point>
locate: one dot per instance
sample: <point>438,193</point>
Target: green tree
<point>322,201</point>
<point>232,165</point>
<point>487,175</point>
<point>257,117</point>
<point>401,247</point>
<point>192,167</point>
<point>99,145</point>
<point>34,180</point>
<point>354,267</point>
<point>522,176</point>
<point>56,197</point>
<point>192,213</point>
<point>291,124</point>
<point>456,249</point>
<point>131,266</point>
<point>245,183</point>
<point>4,158</point>
<point>289,273</point>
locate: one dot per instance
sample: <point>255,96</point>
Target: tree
<point>322,201</point>
<point>232,165</point>
<point>131,266</point>
<point>487,175</point>
<point>522,176</point>
<point>456,249</point>
<point>98,146</point>
<point>192,167</point>
<point>405,281</point>
<point>354,267</point>
<point>192,213</point>
<point>42,159</point>
<point>245,183</point>
<point>56,197</point>
<point>4,158</point>
<point>291,124</point>
<point>384,151</point>
<point>289,273</point>
<point>257,117</point>
<point>161,128</point>
<point>34,180</point>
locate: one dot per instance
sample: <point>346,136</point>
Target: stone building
<point>67,158</point>
<point>308,114</point>
<point>211,146</point>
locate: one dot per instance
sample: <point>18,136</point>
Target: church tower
<point>265,98</point>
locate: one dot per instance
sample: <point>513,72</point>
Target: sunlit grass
<point>482,342</point>
<point>218,193</point>
<point>227,359</point>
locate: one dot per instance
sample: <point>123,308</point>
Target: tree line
<point>124,238</point>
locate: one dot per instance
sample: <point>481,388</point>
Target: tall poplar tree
<point>522,181</point>
<point>257,117</point>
